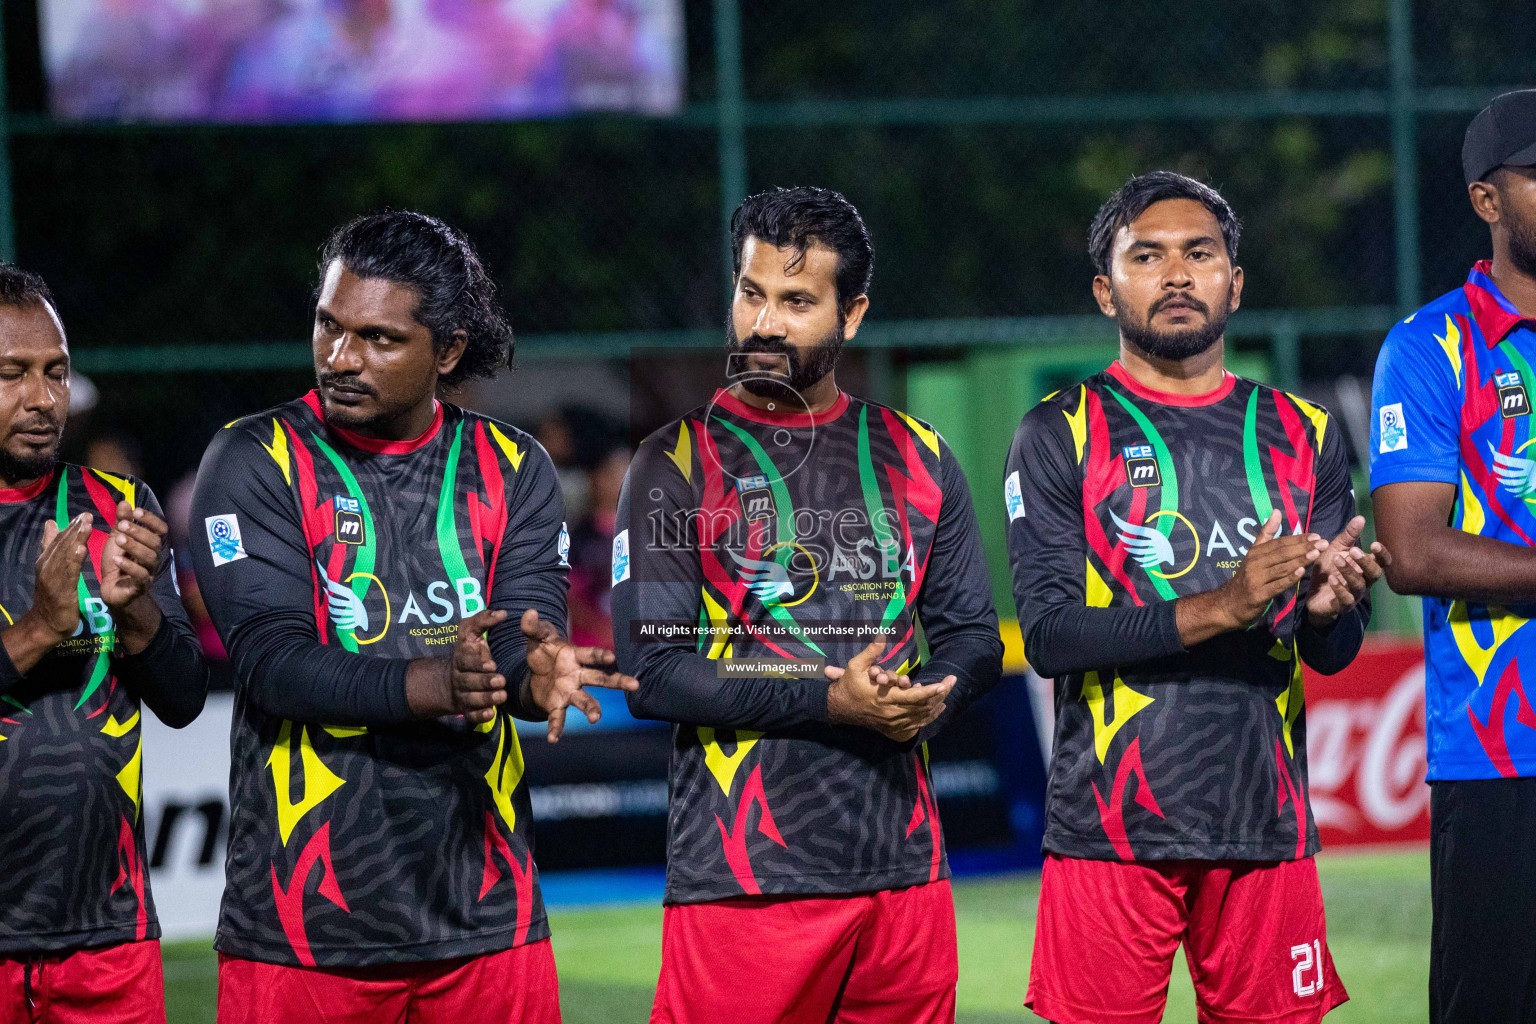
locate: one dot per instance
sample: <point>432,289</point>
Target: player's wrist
<point>37,628</point>
<point>429,687</point>
<point>137,623</point>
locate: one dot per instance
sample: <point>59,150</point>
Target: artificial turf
<point>608,957</point>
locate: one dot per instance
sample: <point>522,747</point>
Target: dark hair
<point>1132,199</point>
<point>454,293</point>
<point>23,288</point>
<point>795,218</point>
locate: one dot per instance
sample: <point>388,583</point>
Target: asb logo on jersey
<point>347,603</point>
<point>1141,465</point>
<point>1151,549</point>
<point>778,582</point>
<point>349,520</point>
<point>1513,399</point>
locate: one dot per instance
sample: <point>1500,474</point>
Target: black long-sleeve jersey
<point>72,868</point>
<point>1121,499</point>
<point>361,835</point>
<point>746,535</point>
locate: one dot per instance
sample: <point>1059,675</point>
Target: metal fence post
<point>730,120</point>
<point>1405,167</point>
<point>7,222</point>
<point>1285,351</point>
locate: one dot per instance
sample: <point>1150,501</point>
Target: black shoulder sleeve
<point>1331,649</point>
<point>254,572</point>
<point>169,675</point>
<point>656,580</point>
<point>955,604</point>
<point>531,571</point>
<point>1048,552</point>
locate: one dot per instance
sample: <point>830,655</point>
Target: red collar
<point>1495,315</point>
<point>375,445</point>
<point>13,495</point>
<point>1118,371</point>
<point>735,406</point>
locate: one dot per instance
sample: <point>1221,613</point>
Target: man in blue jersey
<point>1453,474</point>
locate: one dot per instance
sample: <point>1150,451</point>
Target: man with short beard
<point>1169,531</point>
<point>90,629</point>
<point>803,534</point>
<point>1454,482</point>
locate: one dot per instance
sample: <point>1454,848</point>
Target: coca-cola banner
<point>1365,748</point>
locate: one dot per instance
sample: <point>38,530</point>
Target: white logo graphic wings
<point>1150,548</point>
<point>347,610</point>
<point>1516,473</point>
<point>768,580</point>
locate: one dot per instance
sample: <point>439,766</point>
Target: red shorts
<point>117,985</point>
<point>873,958</point>
<point>517,986</point>
<point>1253,933</point>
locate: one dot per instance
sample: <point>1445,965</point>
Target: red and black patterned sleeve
<point>169,673</point>
<point>656,580</point>
<point>1332,648</point>
<point>260,595</point>
<point>1048,552</point>
<point>530,570</point>
<point>955,603</point>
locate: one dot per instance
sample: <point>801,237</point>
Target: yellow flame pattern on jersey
<point>278,449</point>
<point>508,447</point>
<point>1293,700</point>
<point>722,765</point>
<point>1473,518</point>
<point>1451,343</point>
<point>319,781</point>
<point>1478,657</point>
<point>1317,415</point>
<point>682,453</point>
<point>1097,593</point>
<point>121,484</point>
<point>926,434</point>
<point>1124,704</point>
<point>506,770</point>
<point>1078,421</point>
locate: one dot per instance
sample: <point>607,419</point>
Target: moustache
<point>1183,300</point>
<point>757,343</point>
<point>346,383</point>
<point>41,424</point>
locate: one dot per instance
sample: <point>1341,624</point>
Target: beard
<point>15,469</point>
<point>1177,344</point>
<point>1522,241</point>
<point>806,367</point>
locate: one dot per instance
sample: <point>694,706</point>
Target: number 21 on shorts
<point>1307,956</point>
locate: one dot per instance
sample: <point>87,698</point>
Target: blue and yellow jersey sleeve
<point>1416,402</point>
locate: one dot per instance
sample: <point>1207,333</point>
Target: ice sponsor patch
<point>620,557</point>
<point>1013,496</point>
<point>1141,465</point>
<point>1513,398</point>
<point>224,539</point>
<point>563,546</point>
<point>1394,429</point>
